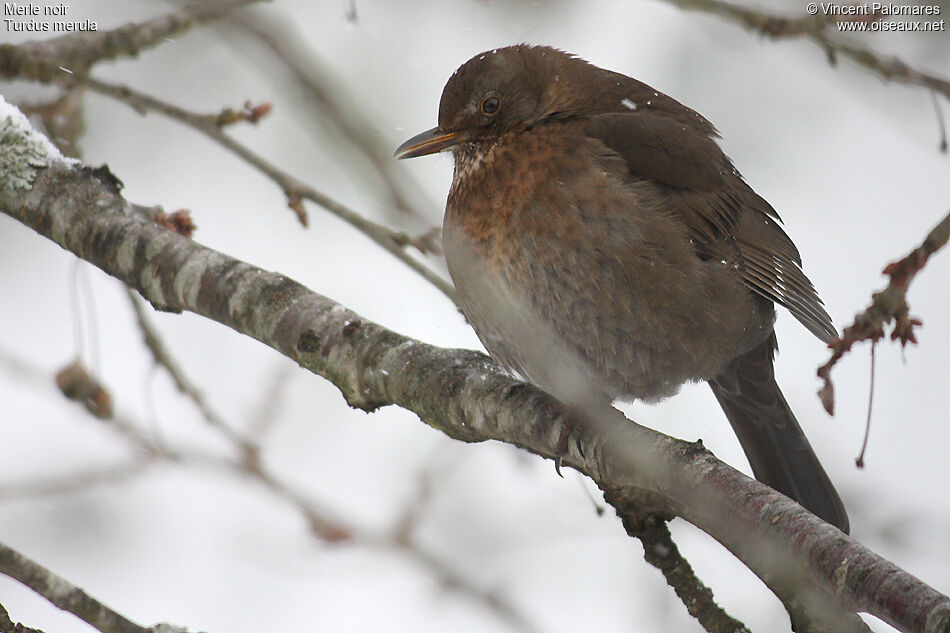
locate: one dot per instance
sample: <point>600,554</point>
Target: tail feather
<point>774,443</point>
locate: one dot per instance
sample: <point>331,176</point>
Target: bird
<point>604,247</point>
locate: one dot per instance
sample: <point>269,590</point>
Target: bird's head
<point>508,89</point>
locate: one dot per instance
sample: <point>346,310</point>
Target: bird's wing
<point>720,211</point>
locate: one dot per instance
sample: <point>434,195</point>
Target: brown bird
<point>603,247</point>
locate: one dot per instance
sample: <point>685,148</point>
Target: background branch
<point>328,94</point>
<point>45,61</point>
<point>819,29</point>
<point>57,59</point>
<point>294,189</point>
<point>660,551</point>
<point>248,464</point>
<point>889,304</point>
<point>64,594</point>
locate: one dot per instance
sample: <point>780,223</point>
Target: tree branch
<point>66,60</point>
<point>889,304</point>
<point>321,523</point>
<point>64,594</point>
<point>7,625</point>
<point>817,29</point>
<point>660,551</point>
<point>294,189</point>
<point>76,481</point>
<point>819,572</point>
<point>325,93</point>
<point>56,60</point>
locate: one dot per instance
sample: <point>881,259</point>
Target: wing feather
<point>721,212</point>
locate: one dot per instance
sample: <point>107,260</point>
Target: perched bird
<point>603,246</point>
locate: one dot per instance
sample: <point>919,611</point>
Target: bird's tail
<point>774,443</point>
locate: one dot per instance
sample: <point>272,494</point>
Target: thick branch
<point>8,626</point>
<point>468,397</point>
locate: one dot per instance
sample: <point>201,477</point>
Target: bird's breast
<point>521,188</point>
<point>565,269</point>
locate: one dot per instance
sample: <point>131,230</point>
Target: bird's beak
<point>429,142</point>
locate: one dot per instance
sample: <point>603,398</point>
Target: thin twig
<point>295,190</point>
<point>941,125</point>
<point>320,520</point>
<point>889,304</point>
<point>161,356</point>
<point>859,462</point>
<point>63,119</point>
<point>327,94</point>
<point>261,418</point>
<point>817,29</point>
<point>60,59</point>
<point>453,580</point>
<point>78,481</point>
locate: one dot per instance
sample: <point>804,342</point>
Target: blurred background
<point>498,542</point>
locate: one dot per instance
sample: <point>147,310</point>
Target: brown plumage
<point>603,246</point>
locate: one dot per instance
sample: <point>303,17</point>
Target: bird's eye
<point>490,105</point>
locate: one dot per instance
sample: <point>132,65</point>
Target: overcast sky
<point>850,162</point>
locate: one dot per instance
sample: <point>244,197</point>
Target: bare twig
<point>859,461</point>
<point>941,125</point>
<point>414,509</point>
<point>660,551</point>
<point>889,304</point>
<point>295,190</point>
<point>817,29</point>
<point>161,356</point>
<point>66,60</point>
<point>294,196</point>
<point>331,529</point>
<point>78,481</point>
<point>453,580</point>
<point>59,59</point>
<point>64,594</point>
<point>328,95</point>
<point>40,379</point>
<point>261,418</point>
<point>320,520</point>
